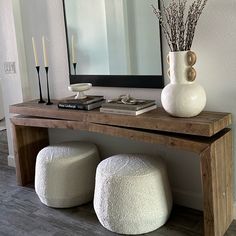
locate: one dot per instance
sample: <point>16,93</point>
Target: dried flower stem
<point>179,29</point>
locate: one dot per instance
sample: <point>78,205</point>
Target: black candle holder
<point>49,101</point>
<point>74,66</point>
<point>40,90</point>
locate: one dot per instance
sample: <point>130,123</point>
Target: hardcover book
<point>126,111</point>
<point>88,103</point>
<point>89,99</point>
<point>79,106</point>
<point>139,104</point>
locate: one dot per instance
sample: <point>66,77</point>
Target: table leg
<point>217,179</point>
<point>28,141</point>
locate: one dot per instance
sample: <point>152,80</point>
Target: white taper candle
<point>44,53</point>
<point>35,53</point>
<point>73,49</point>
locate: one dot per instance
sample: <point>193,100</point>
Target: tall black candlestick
<point>49,101</point>
<point>74,65</point>
<point>40,91</point>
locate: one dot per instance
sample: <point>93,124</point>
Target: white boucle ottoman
<point>132,194</point>
<point>65,174</point>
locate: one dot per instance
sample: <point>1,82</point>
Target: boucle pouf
<point>132,194</point>
<point>65,174</point>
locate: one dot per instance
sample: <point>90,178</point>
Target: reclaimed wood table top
<point>207,123</point>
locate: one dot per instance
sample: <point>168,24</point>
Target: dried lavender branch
<point>181,26</point>
<point>178,29</point>
<point>157,12</point>
<point>178,24</point>
<point>189,25</point>
<point>174,14</point>
<point>198,8</point>
<point>168,22</point>
<point>169,25</point>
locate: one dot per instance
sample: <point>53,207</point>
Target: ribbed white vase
<point>183,96</point>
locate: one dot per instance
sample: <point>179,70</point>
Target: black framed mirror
<point>113,43</point>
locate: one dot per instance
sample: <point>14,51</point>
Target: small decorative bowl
<point>79,89</point>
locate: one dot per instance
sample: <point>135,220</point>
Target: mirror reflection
<point>113,37</point>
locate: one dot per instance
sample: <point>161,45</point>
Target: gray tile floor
<point>22,214</point>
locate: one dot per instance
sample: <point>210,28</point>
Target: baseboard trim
<point>192,200</point>
<point>188,199</point>
<point>11,161</point>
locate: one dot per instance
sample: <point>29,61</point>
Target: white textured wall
<point>11,83</point>
<point>216,67</point>
<point>2,113</point>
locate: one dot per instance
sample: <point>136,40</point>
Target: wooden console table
<point>207,135</point>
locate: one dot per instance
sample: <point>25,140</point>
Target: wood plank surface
<point>216,169</point>
<point>28,141</point>
<point>49,123</point>
<point>205,124</point>
<point>172,140</point>
<point>206,134</point>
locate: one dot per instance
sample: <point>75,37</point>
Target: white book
<point>127,112</point>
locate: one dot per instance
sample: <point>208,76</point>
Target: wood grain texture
<point>48,123</point>
<point>205,124</point>
<point>216,169</point>
<point>3,147</point>
<point>171,140</point>
<point>207,135</point>
<point>28,141</point>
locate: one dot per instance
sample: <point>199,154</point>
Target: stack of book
<point>88,103</point>
<point>117,107</point>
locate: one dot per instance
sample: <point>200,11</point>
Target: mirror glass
<point>113,41</point>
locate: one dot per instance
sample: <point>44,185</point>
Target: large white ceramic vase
<point>183,96</point>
